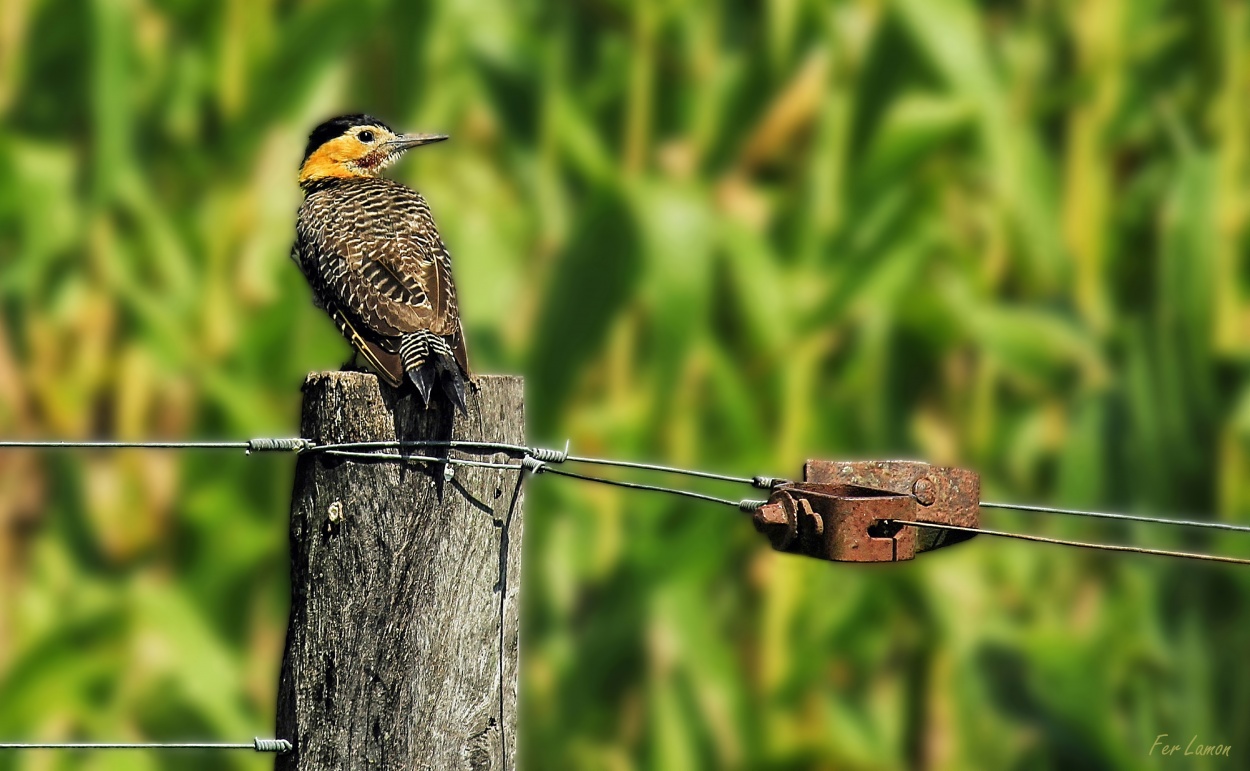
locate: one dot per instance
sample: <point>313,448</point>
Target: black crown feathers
<point>337,127</point>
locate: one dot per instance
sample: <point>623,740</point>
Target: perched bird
<point>372,254</point>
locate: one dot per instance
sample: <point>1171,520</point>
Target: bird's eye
<point>365,136</point>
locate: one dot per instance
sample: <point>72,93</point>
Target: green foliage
<point>1004,235</point>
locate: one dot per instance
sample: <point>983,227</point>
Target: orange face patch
<point>344,156</point>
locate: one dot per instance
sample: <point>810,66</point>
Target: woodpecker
<point>374,259</point>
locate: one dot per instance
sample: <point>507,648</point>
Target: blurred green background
<point>1005,235</point>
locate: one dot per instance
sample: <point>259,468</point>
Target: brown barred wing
<point>420,251</point>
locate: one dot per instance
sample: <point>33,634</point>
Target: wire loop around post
<point>274,444</point>
<point>550,456</point>
<point>271,745</point>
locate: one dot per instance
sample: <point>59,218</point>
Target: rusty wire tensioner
<point>850,511</point>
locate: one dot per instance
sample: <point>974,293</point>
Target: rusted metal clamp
<point>849,511</point>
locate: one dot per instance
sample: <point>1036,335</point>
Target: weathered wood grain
<point>402,646</point>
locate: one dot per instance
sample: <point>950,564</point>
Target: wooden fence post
<point>401,652</point>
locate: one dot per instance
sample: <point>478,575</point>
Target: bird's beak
<point>409,141</point>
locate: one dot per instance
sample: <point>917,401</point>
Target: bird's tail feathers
<point>428,358</point>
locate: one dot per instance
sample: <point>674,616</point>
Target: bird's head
<point>355,146</point>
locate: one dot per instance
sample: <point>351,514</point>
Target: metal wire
<point>538,467</point>
<point>663,469</point>
<point>258,744</point>
<point>121,445</point>
<point>422,459</point>
<point>1081,544</point>
<point>351,450</point>
<point>544,454</point>
<point>1127,517</point>
<point>260,444</point>
<point>455,444</point>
